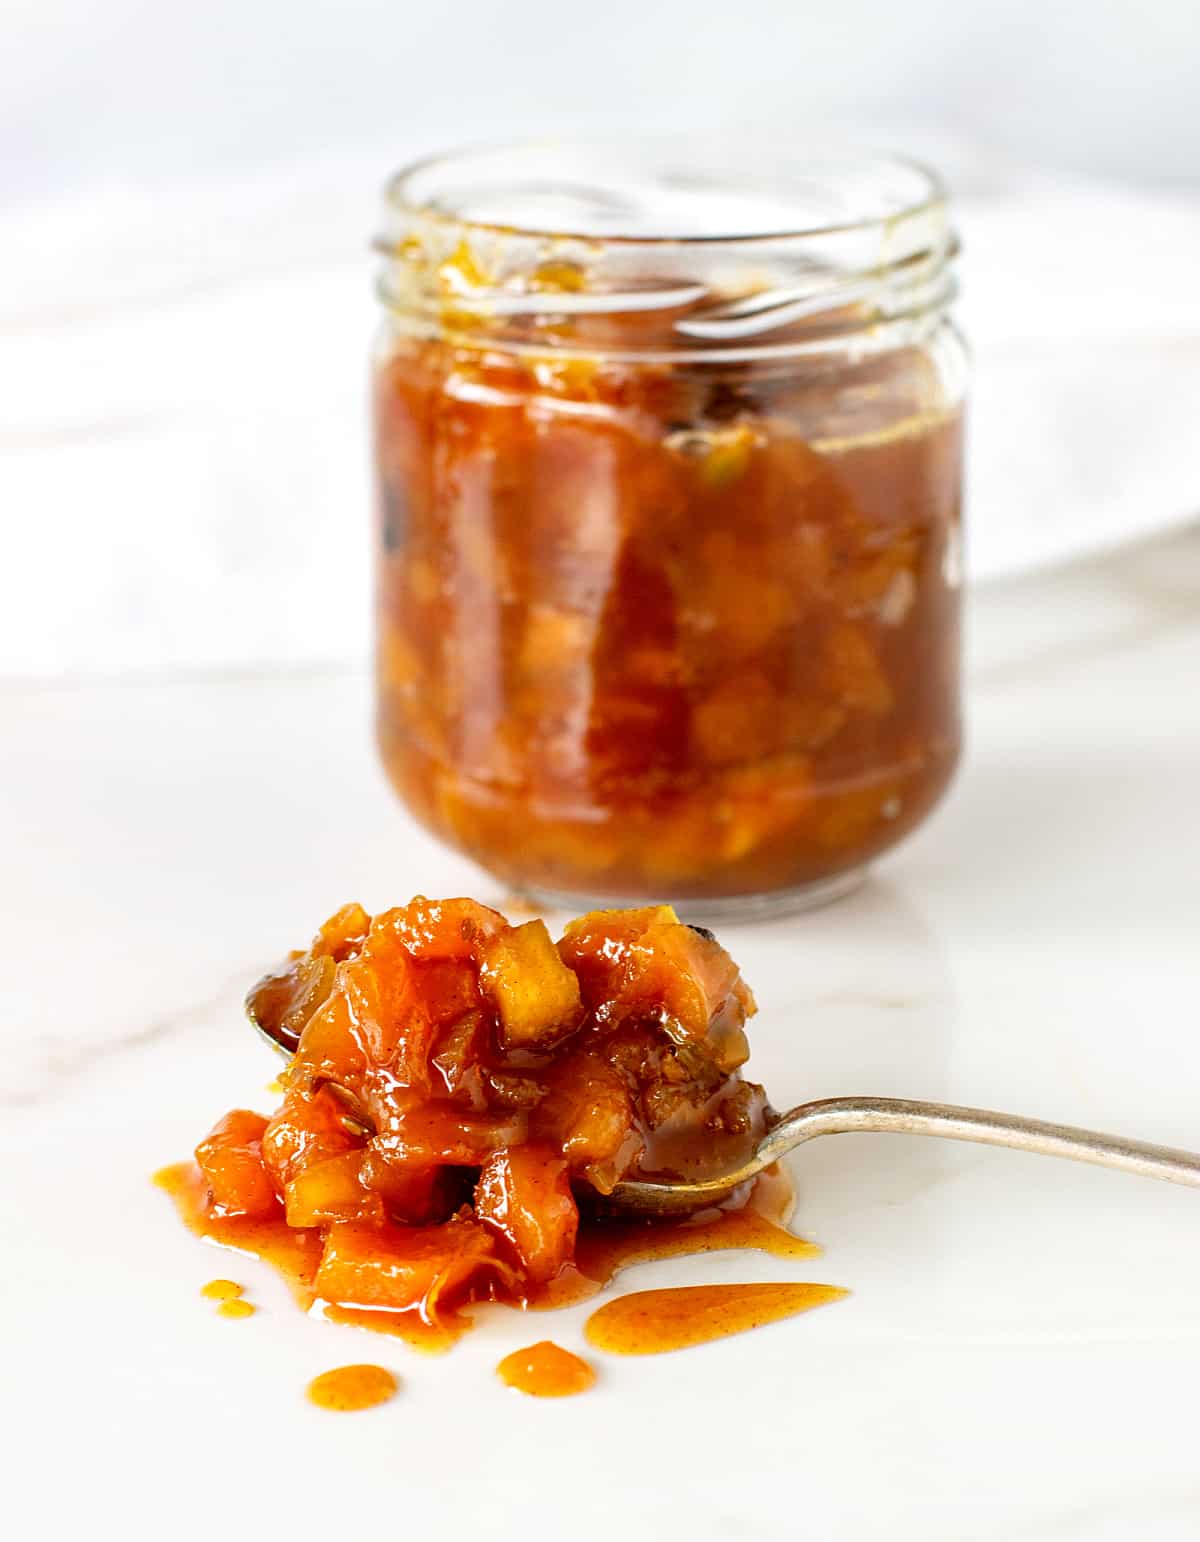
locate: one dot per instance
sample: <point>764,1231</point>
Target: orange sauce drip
<point>649,1322</point>
<point>605,1246</point>
<point>351,1387</point>
<point>295,1254</point>
<point>236,1309</point>
<point>222,1290</point>
<point>546,1370</point>
<point>430,1338</point>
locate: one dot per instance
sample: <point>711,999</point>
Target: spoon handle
<point>902,1116</point>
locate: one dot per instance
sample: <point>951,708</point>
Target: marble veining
<point>63,1061</point>
<point>1017,1359</point>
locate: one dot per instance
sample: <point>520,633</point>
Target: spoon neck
<point>949,1121</point>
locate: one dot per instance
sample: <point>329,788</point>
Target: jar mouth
<point>691,245</point>
<point>664,192</point>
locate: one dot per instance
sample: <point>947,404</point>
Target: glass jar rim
<point>466,188</point>
<point>520,242</point>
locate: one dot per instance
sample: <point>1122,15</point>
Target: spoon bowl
<point>669,1197</point>
<point>904,1116</point>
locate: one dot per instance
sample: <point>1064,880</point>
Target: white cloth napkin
<point>183,443</point>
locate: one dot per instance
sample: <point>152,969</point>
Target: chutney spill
<point>463,1097</point>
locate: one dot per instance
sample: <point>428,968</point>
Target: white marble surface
<point>1018,1355</point>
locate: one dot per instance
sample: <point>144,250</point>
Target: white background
<point>185,302</point>
<point>147,88</point>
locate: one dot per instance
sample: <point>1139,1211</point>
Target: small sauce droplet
<point>351,1387</point>
<point>546,1370</point>
<point>649,1322</point>
<point>221,1290</point>
<point>236,1309</point>
<point>275,1086</point>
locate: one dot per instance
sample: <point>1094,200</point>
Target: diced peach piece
<point>535,995</point>
<point>452,928</point>
<point>856,677</point>
<point>524,1194</point>
<point>597,948</point>
<point>459,1057</point>
<point>282,1002</point>
<point>646,962</point>
<point>596,926</point>
<point>331,1191</point>
<point>436,1132</point>
<point>697,986</point>
<point>331,1045</point>
<point>738,721</point>
<point>231,1159</point>
<point>308,1128</point>
<point>448,989</point>
<point>554,644</point>
<point>380,990</point>
<point>588,1115</point>
<point>419,1196</point>
<point>408,1268</point>
<point>345,931</point>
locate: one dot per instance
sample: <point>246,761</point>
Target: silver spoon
<point>904,1116</point>
<point>894,1116</point>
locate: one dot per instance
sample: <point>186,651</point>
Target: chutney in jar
<point>669,548</point>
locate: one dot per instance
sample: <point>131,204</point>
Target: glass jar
<point>669,452</point>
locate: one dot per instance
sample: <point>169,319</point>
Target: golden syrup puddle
<point>650,1322</point>
<point>605,1246</point>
